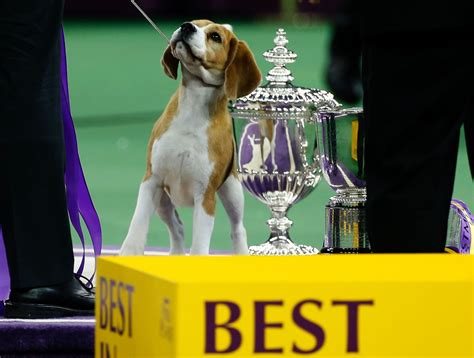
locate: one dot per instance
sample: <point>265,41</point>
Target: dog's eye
<point>215,37</point>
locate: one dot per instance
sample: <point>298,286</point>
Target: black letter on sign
<point>260,326</point>
<point>352,322</point>
<point>103,302</point>
<point>308,326</point>
<point>112,285</point>
<point>105,350</point>
<point>121,328</point>
<point>130,291</point>
<point>211,327</point>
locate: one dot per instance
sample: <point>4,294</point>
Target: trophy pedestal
<point>279,242</point>
<point>281,246</point>
<point>346,224</point>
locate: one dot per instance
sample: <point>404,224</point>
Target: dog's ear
<point>242,75</point>
<point>170,64</point>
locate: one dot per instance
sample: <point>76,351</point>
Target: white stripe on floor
<point>89,264</point>
<point>47,320</point>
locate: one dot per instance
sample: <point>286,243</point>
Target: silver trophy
<point>341,146</point>
<point>276,142</point>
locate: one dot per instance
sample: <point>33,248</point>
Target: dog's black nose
<point>187,29</point>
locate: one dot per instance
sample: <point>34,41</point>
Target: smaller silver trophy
<point>276,140</point>
<point>341,147</point>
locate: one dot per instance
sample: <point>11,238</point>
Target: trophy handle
<point>311,170</point>
<point>328,138</point>
<point>302,141</point>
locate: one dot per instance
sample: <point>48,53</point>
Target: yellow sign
<point>324,305</point>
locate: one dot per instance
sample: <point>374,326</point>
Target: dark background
<point>240,9</point>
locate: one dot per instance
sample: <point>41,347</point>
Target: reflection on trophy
<point>460,228</point>
<point>341,145</point>
<point>276,141</point>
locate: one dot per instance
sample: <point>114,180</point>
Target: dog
<point>191,151</point>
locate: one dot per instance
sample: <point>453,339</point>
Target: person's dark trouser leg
<point>34,216</point>
<point>30,70</point>
<point>36,224</point>
<point>413,105</point>
<point>345,41</point>
<point>343,72</point>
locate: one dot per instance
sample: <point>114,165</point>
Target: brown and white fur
<point>191,148</point>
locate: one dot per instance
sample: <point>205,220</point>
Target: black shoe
<point>72,298</point>
<point>344,81</point>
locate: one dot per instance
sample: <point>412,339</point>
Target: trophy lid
<point>279,98</point>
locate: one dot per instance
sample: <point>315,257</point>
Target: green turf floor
<point>117,92</point>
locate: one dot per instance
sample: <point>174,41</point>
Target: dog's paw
<point>177,252</point>
<point>131,250</point>
<point>244,250</point>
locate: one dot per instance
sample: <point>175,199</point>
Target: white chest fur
<point>180,157</point>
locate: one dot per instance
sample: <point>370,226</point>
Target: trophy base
<point>346,225</point>
<point>281,246</point>
<point>340,250</point>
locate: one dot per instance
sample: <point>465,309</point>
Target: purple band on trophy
<point>338,176</point>
<point>460,228</point>
<point>268,147</point>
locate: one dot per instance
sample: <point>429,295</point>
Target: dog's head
<point>212,53</point>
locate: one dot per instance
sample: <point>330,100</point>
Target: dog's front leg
<point>203,224</point>
<point>135,241</point>
<point>232,197</point>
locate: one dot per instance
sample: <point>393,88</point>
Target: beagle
<point>191,149</point>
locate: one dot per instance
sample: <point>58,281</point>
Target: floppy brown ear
<point>242,75</point>
<point>170,64</point>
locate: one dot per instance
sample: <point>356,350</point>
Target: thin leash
<point>150,21</point>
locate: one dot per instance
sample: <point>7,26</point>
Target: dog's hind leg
<point>167,212</point>
<point>232,197</point>
<point>148,195</point>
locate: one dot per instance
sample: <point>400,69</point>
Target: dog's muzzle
<point>186,30</point>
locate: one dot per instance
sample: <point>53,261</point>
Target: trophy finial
<point>280,56</point>
<point>280,39</point>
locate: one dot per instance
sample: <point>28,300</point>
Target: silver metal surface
<point>277,153</point>
<point>341,157</point>
<point>279,246</point>
<point>279,98</point>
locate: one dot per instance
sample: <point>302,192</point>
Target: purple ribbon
<point>4,274</point>
<point>79,201</point>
